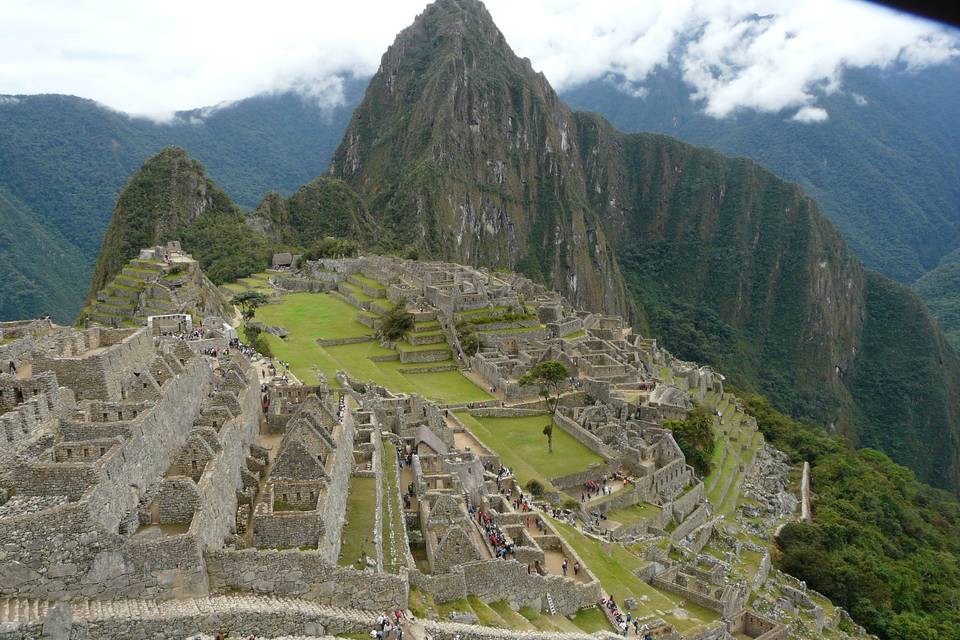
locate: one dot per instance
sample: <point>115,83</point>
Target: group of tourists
<point>341,408</point>
<point>592,489</point>
<point>623,621</point>
<point>389,626</point>
<point>502,545</point>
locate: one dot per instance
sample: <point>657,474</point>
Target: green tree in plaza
<point>549,375</point>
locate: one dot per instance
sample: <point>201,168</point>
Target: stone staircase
<point>22,611</point>
<point>243,615</point>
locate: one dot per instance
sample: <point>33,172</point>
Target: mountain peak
<point>467,154</point>
<point>168,193</point>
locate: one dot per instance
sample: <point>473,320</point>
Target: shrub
<point>535,487</point>
<point>395,323</point>
<point>263,346</point>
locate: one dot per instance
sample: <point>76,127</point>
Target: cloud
<point>155,58</point>
<point>810,114</point>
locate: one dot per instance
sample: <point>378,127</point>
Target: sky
<point>154,57</point>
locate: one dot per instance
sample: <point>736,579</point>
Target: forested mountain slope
<point>66,159</point>
<point>884,167</point>
<point>460,150</point>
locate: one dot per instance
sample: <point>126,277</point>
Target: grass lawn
<point>309,316</point>
<point>513,619</point>
<point>614,567</point>
<point>591,620</point>
<point>394,553</point>
<point>522,446</point>
<point>634,514</point>
<point>357,533</point>
<point>511,330</point>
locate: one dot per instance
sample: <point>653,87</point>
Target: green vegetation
<point>162,198</point>
<point>940,289</point>
<point>358,533</point>
<point>898,214</point>
<point>517,442</point>
<point>591,620</point>
<point>394,545</point>
<point>226,247</point>
<point>634,514</point>
<point>694,435</point>
<point>396,323</point>
<point>66,159</point>
<point>308,317</point>
<point>321,209</point>
<point>549,375</point>
<point>614,566</point>
<point>332,248</point>
<point>882,545</point>
<point>249,302</point>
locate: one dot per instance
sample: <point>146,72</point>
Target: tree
<point>248,301</point>
<point>694,436</point>
<point>395,323</point>
<point>549,375</point>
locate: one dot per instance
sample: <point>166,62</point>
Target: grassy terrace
<point>521,445</point>
<point>309,316</point>
<point>615,570</point>
<point>511,330</point>
<point>393,545</point>
<point>733,451</point>
<point>370,282</point>
<point>635,514</point>
<point>357,536</point>
<point>499,614</point>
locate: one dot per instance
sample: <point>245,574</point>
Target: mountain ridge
<point>462,151</point>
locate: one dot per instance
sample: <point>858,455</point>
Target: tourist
<point>563,566</point>
<point>576,568</point>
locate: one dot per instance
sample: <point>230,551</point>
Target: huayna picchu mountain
<point>461,151</point>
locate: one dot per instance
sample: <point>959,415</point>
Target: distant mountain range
<point>64,161</point>
<point>885,168</point>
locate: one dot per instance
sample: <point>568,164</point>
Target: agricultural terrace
<point>308,317</point>
<point>737,444</point>
<point>615,567</point>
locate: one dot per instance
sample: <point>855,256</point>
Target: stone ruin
<point>151,465</point>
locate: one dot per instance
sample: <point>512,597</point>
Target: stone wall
<point>305,574</point>
<point>100,375</point>
<point>697,518</point>
<point>217,489</point>
<point>79,543</point>
<point>177,500</point>
<point>584,437</point>
<point>335,507</point>
<point>492,580</point>
<point>240,616</point>
<point>287,530</point>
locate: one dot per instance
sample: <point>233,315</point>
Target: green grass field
<point>392,561</point>
<point>614,567</point>
<point>309,316</point>
<point>634,514</point>
<point>521,445</point>
<point>357,536</point>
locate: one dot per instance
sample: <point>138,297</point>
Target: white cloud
<point>154,58</point>
<point>810,114</point>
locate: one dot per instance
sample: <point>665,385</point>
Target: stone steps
<point>22,611</point>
